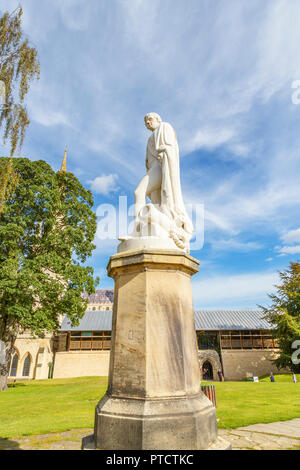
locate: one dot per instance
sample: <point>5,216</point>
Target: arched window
<point>14,364</point>
<point>26,366</point>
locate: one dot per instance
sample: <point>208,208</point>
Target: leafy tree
<point>8,182</point>
<point>46,234</point>
<point>284,314</point>
<point>19,66</point>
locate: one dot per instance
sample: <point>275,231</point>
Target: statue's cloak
<point>171,197</point>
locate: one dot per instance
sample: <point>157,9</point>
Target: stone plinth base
<point>154,399</point>
<point>184,423</point>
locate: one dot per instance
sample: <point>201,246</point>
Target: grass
<point>280,378</point>
<point>245,403</point>
<point>48,406</point>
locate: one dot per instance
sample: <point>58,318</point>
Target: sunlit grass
<point>44,406</point>
<point>48,406</point>
<point>245,403</point>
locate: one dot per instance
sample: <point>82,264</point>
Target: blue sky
<point>221,72</point>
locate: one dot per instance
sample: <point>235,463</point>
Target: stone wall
<point>81,364</point>
<point>239,364</point>
<point>41,353</point>
<point>211,356</point>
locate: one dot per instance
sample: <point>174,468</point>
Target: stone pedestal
<point>153,400</point>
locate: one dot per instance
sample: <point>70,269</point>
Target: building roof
<point>230,320</point>
<point>101,296</point>
<point>208,320</point>
<point>93,320</point>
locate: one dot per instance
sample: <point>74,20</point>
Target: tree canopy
<point>46,235</point>
<point>284,314</point>
<point>8,182</point>
<point>19,66</point>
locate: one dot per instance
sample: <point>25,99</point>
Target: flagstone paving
<point>287,428</point>
<point>273,436</point>
<point>68,440</point>
<point>282,435</point>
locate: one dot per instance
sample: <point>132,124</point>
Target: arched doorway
<point>207,371</point>
<point>213,358</point>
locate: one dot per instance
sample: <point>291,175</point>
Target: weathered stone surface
<point>154,399</point>
<point>211,356</point>
<point>72,440</point>
<point>280,428</point>
<point>87,363</point>
<point>261,437</point>
<point>184,423</point>
<point>240,363</point>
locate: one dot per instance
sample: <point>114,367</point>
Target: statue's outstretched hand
<point>160,152</point>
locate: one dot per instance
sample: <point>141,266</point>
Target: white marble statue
<point>163,223</point>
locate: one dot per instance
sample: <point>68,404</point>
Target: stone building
<point>239,343</point>
<point>34,357</point>
<point>102,300</point>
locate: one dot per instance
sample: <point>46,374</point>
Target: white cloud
<point>49,118</point>
<point>292,241</point>
<point>239,149</point>
<point>208,138</point>
<point>104,184</point>
<point>235,245</point>
<point>289,250</point>
<point>247,288</point>
<point>235,205</point>
<point>217,221</point>
<point>293,236</point>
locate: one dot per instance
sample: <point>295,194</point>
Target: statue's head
<point>152,121</point>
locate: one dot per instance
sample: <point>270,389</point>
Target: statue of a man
<point>161,184</point>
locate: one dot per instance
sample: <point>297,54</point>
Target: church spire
<point>63,167</point>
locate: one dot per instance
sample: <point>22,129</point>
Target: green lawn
<point>40,407</point>
<point>280,378</point>
<point>245,403</point>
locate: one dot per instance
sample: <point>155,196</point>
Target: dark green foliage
<point>284,314</point>
<point>46,233</point>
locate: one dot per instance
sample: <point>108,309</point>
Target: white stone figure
<point>164,222</point>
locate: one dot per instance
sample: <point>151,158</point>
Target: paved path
<point>69,440</point>
<point>282,435</point>
<point>274,436</point>
<point>286,428</point>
